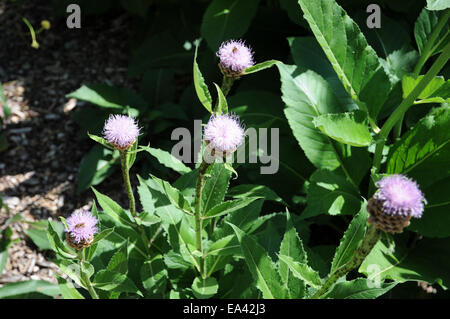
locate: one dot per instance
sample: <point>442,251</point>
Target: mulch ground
<point>38,170</point>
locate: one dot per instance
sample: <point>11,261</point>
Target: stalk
<point>126,179</point>
<point>85,278</point>
<point>198,206</point>
<point>129,189</point>
<point>406,103</point>
<point>426,53</point>
<point>372,236</point>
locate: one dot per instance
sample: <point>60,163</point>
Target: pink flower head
<point>234,57</point>
<point>400,195</point>
<point>82,226</point>
<point>224,132</point>
<point>121,131</point>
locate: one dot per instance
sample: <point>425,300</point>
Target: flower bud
<point>45,24</point>
<point>121,131</point>
<point>82,226</point>
<point>234,57</point>
<point>397,199</point>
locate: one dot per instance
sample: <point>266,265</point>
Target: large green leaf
<point>292,246</point>
<point>167,159</point>
<point>249,190</point>
<point>358,289</point>
<point>348,128</point>
<point>306,96</point>
<point>354,61</point>
<point>427,261</point>
<point>224,20</point>
<point>262,268</point>
<point>113,209</point>
<point>332,194</point>
<point>174,195</point>
<point>201,88</point>
<point>351,239</point>
<point>423,153</point>
<point>110,280</point>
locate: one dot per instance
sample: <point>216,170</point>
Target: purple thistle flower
<point>234,57</point>
<point>82,226</point>
<point>121,131</point>
<point>224,132</point>
<point>400,196</point>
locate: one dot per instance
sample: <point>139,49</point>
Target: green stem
<point>84,277</point>
<point>198,206</point>
<point>129,189</point>
<point>372,236</point>
<point>406,103</point>
<point>227,84</point>
<point>427,51</point>
<point>126,179</point>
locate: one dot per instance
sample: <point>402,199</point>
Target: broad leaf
<point>438,4</point>
<point>174,195</point>
<point>355,62</point>
<point>167,159</point>
<point>216,186</point>
<point>200,86</point>
<point>437,90</point>
<point>260,66</point>
<point>113,209</point>
<point>228,207</point>
<point>249,190</point>
<point>424,26</point>
<point>154,276</point>
<point>332,194</point>
<point>110,280</point>
<point>348,128</point>
<point>18,289</point>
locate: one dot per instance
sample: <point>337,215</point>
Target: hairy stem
<point>198,207</point>
<point>372,236</point>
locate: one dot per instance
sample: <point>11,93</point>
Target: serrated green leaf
<point>260,66</point>
<point>174,195</point>
<point>119,261</point>
<point>423,28</point>
<point>113,209</point>
<point>67,289</point>
<point>110,280</point>
<point>351,239</point>
<point>249,190</point>
<point>349,128</point>
<point>56,243</point>
<point>355,62</point>
<point>292,246</point>
<point>216,186</point>
<point>228,207</point>
<point>228,245</point>
<point>262,268</point>
<point>302,271</point>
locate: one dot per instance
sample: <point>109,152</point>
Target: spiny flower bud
<point>224,133</point>
<point>82,226</point>
<point>234,57</point>
<point>397,199</point>
<point>121,131</point>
